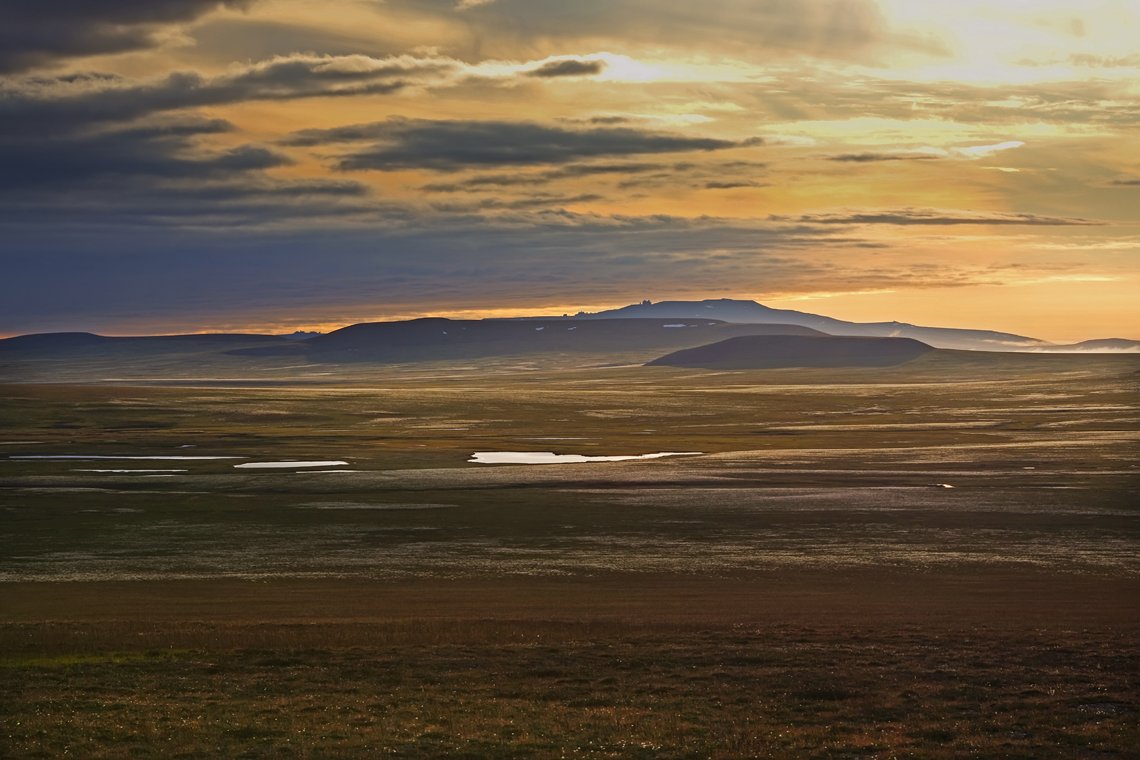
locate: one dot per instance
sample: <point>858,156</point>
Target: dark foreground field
<point>817,665</point>
<point>805,587</point>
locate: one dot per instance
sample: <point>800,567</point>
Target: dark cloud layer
<point>567,67</point>
<point>454,145</point>
<point>155,170</point>
<point>712,175</point>
<point>939,217</point>
<point>159,152</point>
<point>573,171</point>
<point>38,32</point>
<point>105,212</point>
<point>867,158</point>
<point>36,104</point>
<point>731,185</point>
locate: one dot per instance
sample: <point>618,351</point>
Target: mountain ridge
<point>742,311</point>
<point>738,313</point>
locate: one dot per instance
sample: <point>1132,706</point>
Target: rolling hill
<point>783,351</point>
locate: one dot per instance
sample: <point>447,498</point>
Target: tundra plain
<point>938,559</point>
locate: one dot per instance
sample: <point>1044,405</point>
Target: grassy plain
<point>806,587</point>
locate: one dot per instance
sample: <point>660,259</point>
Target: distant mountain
<point>50,342</point>
<point>783,351</point>
<point>436,338</point>
<point>75,343</point>
<point>638,331</point>
<point>750,312</point>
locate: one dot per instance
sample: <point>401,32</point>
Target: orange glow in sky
<point>280,164</point>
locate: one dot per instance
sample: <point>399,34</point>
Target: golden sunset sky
<point>191,165</point>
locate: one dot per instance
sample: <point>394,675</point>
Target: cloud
<point>84,146</point>
<point>243,202</point>
<point>609,120</point>
<point>257,37</point>
<point>160,151</point>
<point>39,32</point>
<point>732,185</point>
<point>970,152</point>
<point>865,158</point>
<point>574,171</point>
<point>736,28</point>
<point>712,175</point>
<point>454,145</point>
<point>984,151</point>
<point>938,217</point>
<point>74,133</point>
<point>1088,60</point>
<point>529,201</point>
<point>568,67</point>
<point>263,190</point>
<point>1127,182</point>
<point>807,93</point>
<point>159,172</point>
<point>34,104</point>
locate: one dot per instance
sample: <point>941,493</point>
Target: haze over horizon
<point>278,165</point>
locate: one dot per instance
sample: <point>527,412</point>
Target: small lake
<point>286,465</point>
<point>101,457</point>
<point>128,472</point>
<point>549,457</point>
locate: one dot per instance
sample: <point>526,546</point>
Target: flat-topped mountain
<point>437,338</point>
<point>750,312</point>
<point>782,351</point>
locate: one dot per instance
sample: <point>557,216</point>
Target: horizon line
<point>285,329</point>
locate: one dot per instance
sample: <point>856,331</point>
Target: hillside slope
<point>779,351</point>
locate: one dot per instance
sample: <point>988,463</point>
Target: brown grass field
<point>803,588</point>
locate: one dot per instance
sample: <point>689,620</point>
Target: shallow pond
<point>549,457</point>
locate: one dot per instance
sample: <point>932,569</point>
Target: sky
<point>274,165</point>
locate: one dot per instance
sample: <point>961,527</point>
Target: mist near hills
<point>1097,346</point>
